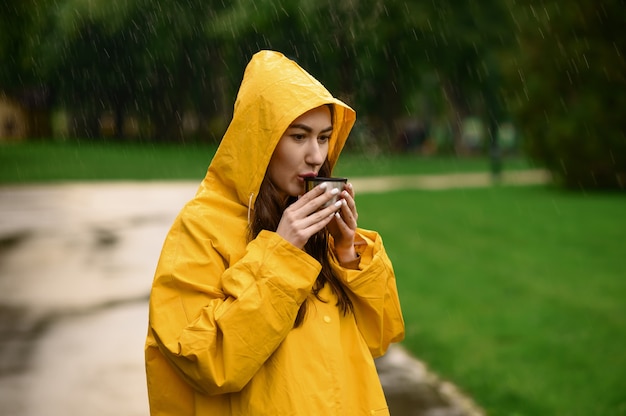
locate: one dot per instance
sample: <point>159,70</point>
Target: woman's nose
<point>314,154</point>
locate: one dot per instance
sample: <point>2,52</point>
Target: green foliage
<point>161,58</point>
<point>139,57</point>
<point>569,104</point>
<point>383,56</point>
<point>11,39</point>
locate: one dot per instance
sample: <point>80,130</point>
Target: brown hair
<point>268,210</point>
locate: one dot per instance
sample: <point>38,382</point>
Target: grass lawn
<point>55,161</point>
<point>58,161</point>
<point>518,295</point>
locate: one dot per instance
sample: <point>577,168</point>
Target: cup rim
<point>323,179</point>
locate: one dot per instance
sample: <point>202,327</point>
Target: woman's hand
<point>343,226</point>
<point>304,218</point>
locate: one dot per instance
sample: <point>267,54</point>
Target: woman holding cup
<point>268,300</point>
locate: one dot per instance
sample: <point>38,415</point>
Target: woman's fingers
<point>348,215</point>
<point>313,200</point>
<point>304,217</point>
<point>320,216</point>
<point>343,227</point>
<point>349,212</point>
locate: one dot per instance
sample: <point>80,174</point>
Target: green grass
<point>518,295</point>
<point>89,160</point>
<point>60,161</point>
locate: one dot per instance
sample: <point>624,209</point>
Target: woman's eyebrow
<point>309,129</point>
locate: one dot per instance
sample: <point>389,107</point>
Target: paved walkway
<point>450,181</point>
<point>76,264</point>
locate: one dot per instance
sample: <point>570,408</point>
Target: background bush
<point>571,75</point>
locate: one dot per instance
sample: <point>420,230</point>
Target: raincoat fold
<point>221,337</point>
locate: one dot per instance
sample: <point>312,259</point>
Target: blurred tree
<point>19,23</point>
<point>568,79</point>
<point>184,64</point>
<point>462,42</point>
<point>16,22</point>
<point>163,58</point>
<point>356,48</point>
<point>140,56</point>
<point>379,54</point>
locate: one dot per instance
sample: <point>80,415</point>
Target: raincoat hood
<point>274,92</point>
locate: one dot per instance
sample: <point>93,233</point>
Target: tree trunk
<point>118,114</point>
<point>85,124</point>
<point>459,110</point>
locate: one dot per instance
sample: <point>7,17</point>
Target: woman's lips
<point>306,175</point>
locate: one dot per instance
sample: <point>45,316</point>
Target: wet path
<point>76,262</point>
<point>76,265</point>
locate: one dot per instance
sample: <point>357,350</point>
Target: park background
<point>514,293</point>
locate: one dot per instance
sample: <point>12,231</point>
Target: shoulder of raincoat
<point>221,337</point>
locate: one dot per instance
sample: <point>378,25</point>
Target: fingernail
<point>335,191</point>
<point>323,185</point>
<point>339,203</point>
<point>344,202</point>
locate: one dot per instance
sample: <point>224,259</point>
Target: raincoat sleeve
<point>215,323</point>
<point>373,292</point>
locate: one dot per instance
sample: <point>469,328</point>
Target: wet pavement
<point>76,265</point>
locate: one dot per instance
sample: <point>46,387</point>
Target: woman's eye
<point>323,139</point>
<point>298,137</point>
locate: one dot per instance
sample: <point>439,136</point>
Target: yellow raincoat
<point>221,339</point>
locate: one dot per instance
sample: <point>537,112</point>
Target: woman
<point>263,303</point>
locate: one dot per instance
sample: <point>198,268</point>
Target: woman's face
<point>301,151</point>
